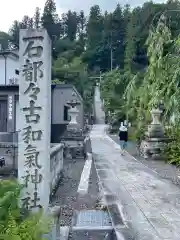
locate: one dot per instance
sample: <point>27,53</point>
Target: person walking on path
<point>123,137</point>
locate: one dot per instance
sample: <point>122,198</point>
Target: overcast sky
<point>15,9</point>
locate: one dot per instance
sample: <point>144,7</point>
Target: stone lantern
<point>73,137</point>
<point>156,129</point>
<point>154,143</point>
<point>73,113</point>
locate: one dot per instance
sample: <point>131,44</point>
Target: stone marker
<point>35,118</point>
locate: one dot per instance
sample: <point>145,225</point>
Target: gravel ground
<point>66,194</point>
<point>67,197</point>
<point>166,171</point>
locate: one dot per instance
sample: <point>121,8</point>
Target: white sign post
<point>35,118</point>
<point>10,107</point>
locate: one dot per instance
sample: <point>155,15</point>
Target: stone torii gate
<point>100,77</point>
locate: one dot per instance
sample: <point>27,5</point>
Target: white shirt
<point>122,129</point>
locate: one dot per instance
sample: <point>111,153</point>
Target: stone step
<point>91,218</point>
<point>95,234</point>
<point>92,224</point>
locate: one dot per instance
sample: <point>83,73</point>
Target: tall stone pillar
<point>35,118</point>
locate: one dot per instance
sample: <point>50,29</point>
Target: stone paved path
<point>149,205</point>
<point>99,113</point>
<point>165,170</point>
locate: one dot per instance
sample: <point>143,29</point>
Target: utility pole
<point>100,77</point>
<point>111,59</point>
<point>111,50</point>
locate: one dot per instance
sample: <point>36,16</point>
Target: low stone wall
<point>8,158</point>
<point>74,149</point>
<point>9,161</point>
<point>56,164</point>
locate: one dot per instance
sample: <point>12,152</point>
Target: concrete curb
<point>85,175</point>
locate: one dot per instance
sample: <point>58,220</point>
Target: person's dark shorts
<point>123,144</point>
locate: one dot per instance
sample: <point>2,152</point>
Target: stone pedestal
<point>73,137</point>
<point>152,147</point>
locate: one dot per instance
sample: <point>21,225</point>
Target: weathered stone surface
<point>93,234</point>
<point>165,170</point>
<point>92,218</point>
<point>149,205</point>
<point>8,158</point>
<point>34,117</point>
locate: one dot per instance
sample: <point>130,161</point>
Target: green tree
<point>172,12</point>
<point>118,31</point>
<point>70,22</point>
<point>14,33</point>
<point>37,18</point>
<point>75,72</point>
<point>80,43</point>
<point>81,23</point>
<point>159,81</point>
<point>81,30</point>
<point>94,28</point>
<point>4,40</point>
<point>15,223</point>
<point>26,22</point>
<point>50,19</point>
<point>113,86</point>
<point>94,33</point>
<point>138,27</point>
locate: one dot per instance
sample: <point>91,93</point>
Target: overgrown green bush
<point>15,224</point>
<point>173,147</point>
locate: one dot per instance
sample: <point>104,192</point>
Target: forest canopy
<point>82,46</point>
